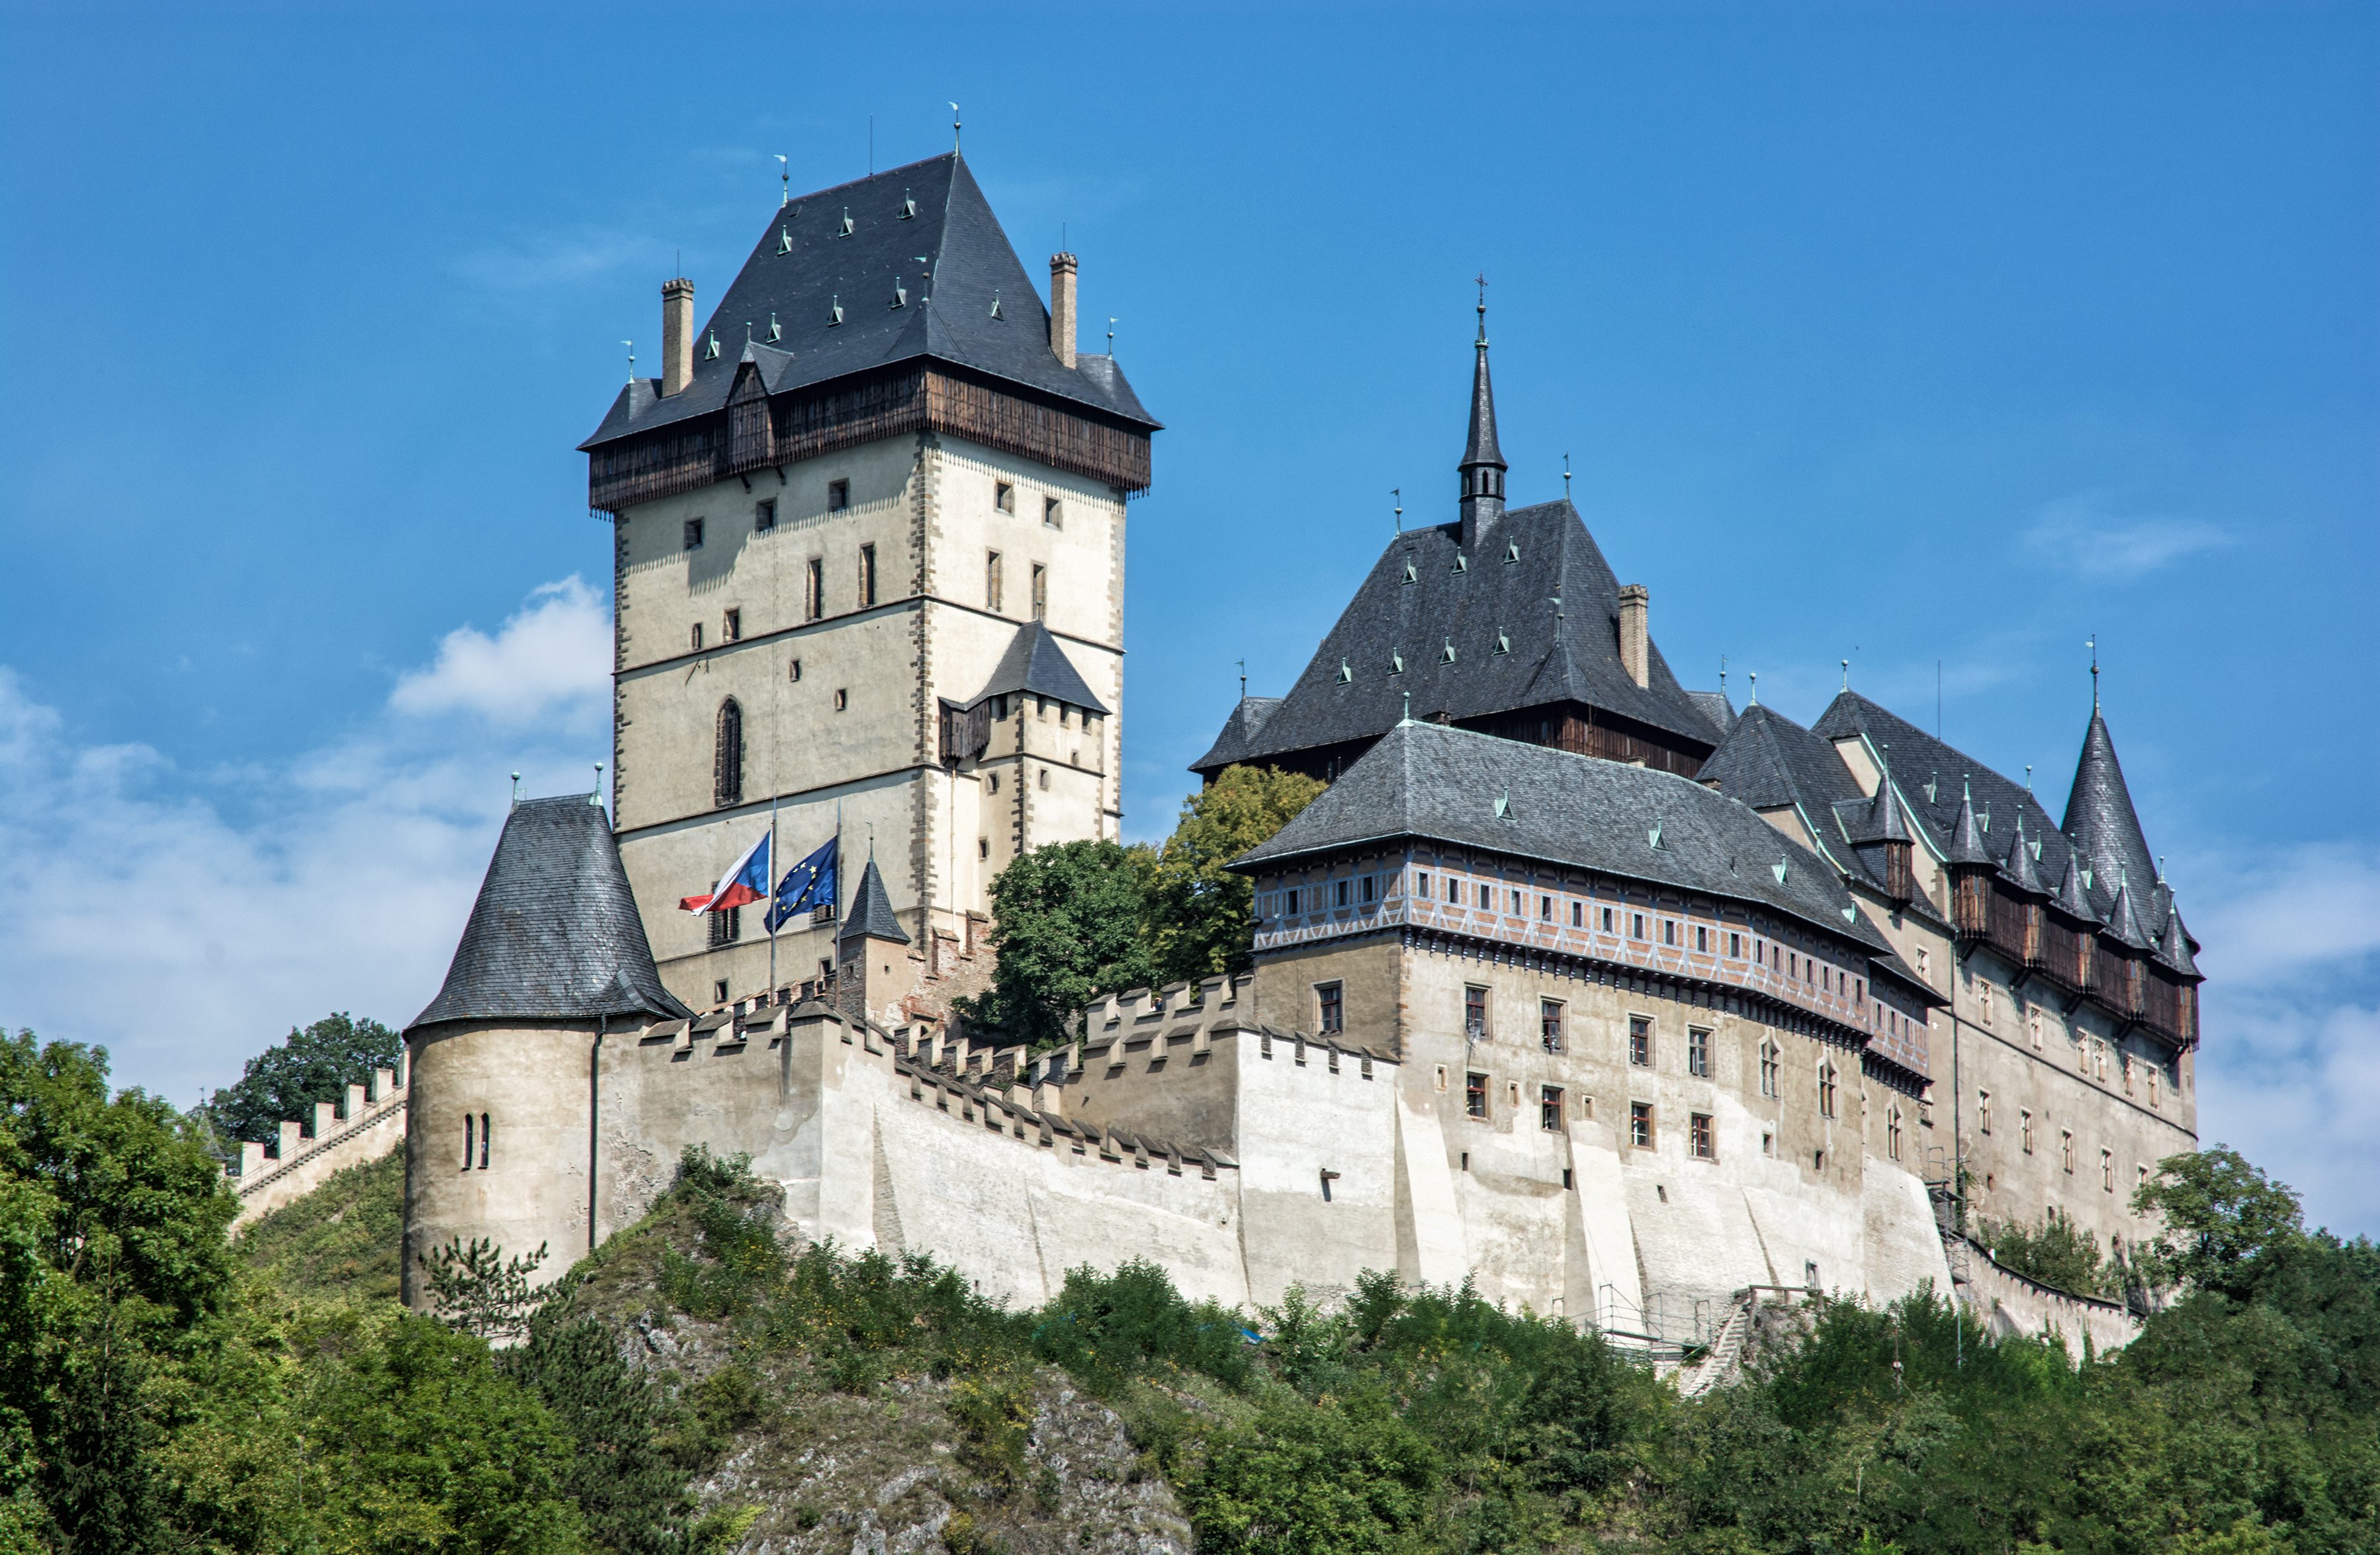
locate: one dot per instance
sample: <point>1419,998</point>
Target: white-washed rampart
<point>367,1124</point>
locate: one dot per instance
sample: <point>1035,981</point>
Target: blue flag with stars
<point>808,884</point>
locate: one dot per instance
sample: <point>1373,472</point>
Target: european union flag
<point>810,883</point>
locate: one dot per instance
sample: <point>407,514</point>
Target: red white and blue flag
<point>746,880</point>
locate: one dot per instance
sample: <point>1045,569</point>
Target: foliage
<point>286,1081</point>
<point>1068,924</point>
<point>630,1493</point>
<point>1201,916</point>
<point>475,1288</point>
<point>339,1242</point>
<point>2223,1217</point>
<point>2053,1254</point>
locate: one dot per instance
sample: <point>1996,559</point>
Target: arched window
<point>727,760</point>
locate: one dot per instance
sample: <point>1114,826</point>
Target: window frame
<point>1640,1041</point>
<point>1331,1008</point>
<point>1698,1052</point>
<point>1702,1137</point>
<point>1644,1127</point>
<point>1553,1115</point>
<point>1475,1094</point>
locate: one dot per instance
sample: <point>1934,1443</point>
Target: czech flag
<point>746,880</point>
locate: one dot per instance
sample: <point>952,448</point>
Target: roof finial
<point>954,151</point>
<point>784,177</point>
<point>1847,674</point>
<point>2092,642</point>
<point>2028,777</point>
<point>1722,674</point>
<point>1243,680</point>
<point>1754,678</point>
<point>1399,493</point>
<point>1483,309</point>
<point>516,788</point>
<point>596,798</point>
<point>1408,718</point>
<point>1110,338</point>
<point>632,360</point>
<point>1565,478</point>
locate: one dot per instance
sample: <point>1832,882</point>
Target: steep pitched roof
<point>2018,865</point>
<point>871,914</point>
<point>1715,707</point>
<point>1035,663</point>
<point>555,934</point>
<point>1513,645</point>
<point>2099,817</point>
<point>1429,781</point>
<point>1239,729</point>
<point>1966,843</point>
<point>804,266</point>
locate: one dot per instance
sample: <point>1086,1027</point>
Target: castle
<point>1574,982</point>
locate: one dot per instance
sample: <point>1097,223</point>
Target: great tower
<point>869,570</point>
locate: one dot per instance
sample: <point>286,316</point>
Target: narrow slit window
<point>470,1138</point>
<point>838,495</point>
<point>484,1133</point>
<point>992,582</point>
<point>866,577</point>
<point>1040,592</point>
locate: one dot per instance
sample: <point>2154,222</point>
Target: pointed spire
<point>2175,949</point>
<point>2100,820</point>
<point>1883,815</point>
<point>2126,921</point>
<point>1483,466</point>
<point>1966,837</point>
<point>871,910</point>
<point>2019,868</point>
<point>2072,899</point>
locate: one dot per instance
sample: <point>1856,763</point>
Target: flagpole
<point>769,913</point>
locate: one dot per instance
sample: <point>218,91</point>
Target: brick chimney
<point>1635,640</point>
<point>1062,308</point>
<point>677,335</point>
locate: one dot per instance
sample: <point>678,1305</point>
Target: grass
<point>342,1241</point>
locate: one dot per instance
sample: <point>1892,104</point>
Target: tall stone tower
<point>869,571</point>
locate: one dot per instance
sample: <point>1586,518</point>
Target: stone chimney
<point>1062,308</point>
<point>677,335</point>
<point>1635,640</point>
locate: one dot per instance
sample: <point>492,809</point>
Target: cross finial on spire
<point>1754,677</point>
<point>2092,642</point>
<point>1847,674</point>
<point>632,360</point>
<point>1398,493</point>
<point>786,179</point>
<point>1482,279</point>
<point>1565,478</point>
<point>955,129</point>
<point>1243,680</point>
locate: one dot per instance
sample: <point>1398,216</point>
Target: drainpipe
<point>594,1121</point>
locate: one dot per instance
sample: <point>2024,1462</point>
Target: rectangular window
<point>1984,1111</point>
<point>2024,1129</point>
<point>1041,592</point>
<point>1475,1094</point>
<point>1771,1069</point>
<point>1546,910</point>
<point>731,627</point>
<point>1486,899</point>
<point>1701,1137</point>
<point>1421,884</point>
<point>764,515</point>
<point>1984,997</point>
<point>1578,914</point>
<point>1364,889</point>
<point>842,700</point>
<point>698,637</point>
<point>1329,1013</point>
<point>1053,515</point>
<point>2108,1171</point>
<point>1453,891</point>
<point>1474,1013</point>
<point>991,580</point>
<point>1289,904</point>
<point>1003,496</point>
<point>838,495</point>
<point>1698,1052</point>
<point>1635,926</point>
<point>1549,1109</point>
<point>1668,931</point>
<point>2066,1149</point>
<point>694,534</point>
<point>866,577</point>
<point>1892,1134</point>
<point>1640,1041</point>
<point>814,588</point>
<point>1702,939</point>
<point>1735,947</point>
<point>1549,1024</point>
<point>1640,1124</point>
<point>726,928</point>
<point>1826,1090</point>
<point>1606,920</point>
<point>2156,1072</point>
<point>1338,893</point>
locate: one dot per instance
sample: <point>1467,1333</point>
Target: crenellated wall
<point>367,1124</point>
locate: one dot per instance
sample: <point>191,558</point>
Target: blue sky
<point>1920,336</point>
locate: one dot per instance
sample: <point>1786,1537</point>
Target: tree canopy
<point>286,1080</point>
<point>1200,916</point>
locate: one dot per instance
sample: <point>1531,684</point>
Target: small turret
<point>1483,466</point>
<point>872,968</point>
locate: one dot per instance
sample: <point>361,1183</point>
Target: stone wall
<point>2007,1303</point>
<point>367,1124</point>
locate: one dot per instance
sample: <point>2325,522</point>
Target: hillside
<point>340,1241</point>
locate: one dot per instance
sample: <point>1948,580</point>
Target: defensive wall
<point>365,1125</point>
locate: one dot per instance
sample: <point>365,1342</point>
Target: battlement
<point>365,1125</point>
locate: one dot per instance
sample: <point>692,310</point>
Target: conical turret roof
<point>2100,820</point>
<point>2174,950</point>
<point>1480,447</point>
<point>2072,899</point>
<point>1966,837</point>
<point>2126,921</point>
<point>555,934</point>
<point>871,911</point>
<point>2019,868</point>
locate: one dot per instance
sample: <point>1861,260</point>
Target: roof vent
<point>1346,672</point>
<point>776,331</point>
<point>844,230</point>
<point>1850,915</point>
<point>909,206</point>
<point>710,352</point>
<point>1504,804</point>
<point>1653,838</point>
<point>1397,664</point>
<point>1780,869</point>
<point>785,239</point>
<point>835,312</point>
<point>1462,561</point>
<point>995,303</point>
<point>1503,643</point>
<point>1410,576</point>
<point>1511,550</point>
<point>1448,657</point>
<point>900,295</point>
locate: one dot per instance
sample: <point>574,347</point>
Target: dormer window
<point>1462,561</point>
<point>1503,643</point>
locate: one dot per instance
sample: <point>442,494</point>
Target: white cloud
<point>553,655</point>
<point>186,919</point>
<point>2083,533</point>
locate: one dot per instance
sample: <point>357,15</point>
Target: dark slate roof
<point>1715,707</point>
<point>1035,663</point>
<point>1545,657</point>
<point>1429,781</point>
<point>948,320</point>
<point>1966,844</point>
<point>1479,445</point>
<point>2072,899</point>
<point>1239,730</point>
<point>2018,865</point>
<point>2126,921</point>
<point>2175,948</point>
<point>871,911</point>
<point>555,934</point>
<point>2099,817</point>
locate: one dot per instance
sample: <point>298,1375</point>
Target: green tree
<point>1324,1479</point>
<point>1200,914</point>
<point>2053,1254</point>
<point>2223,1217</point>
<point>475,1288</point>
<point>1067,925</point>
<point>632,1499</point>
<point>286,1080</point>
